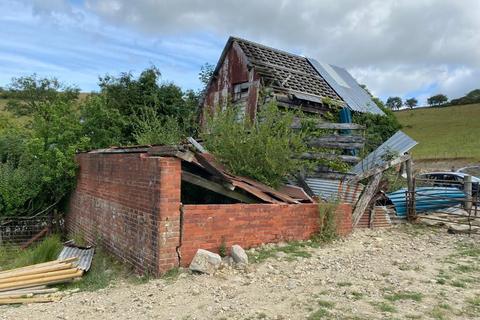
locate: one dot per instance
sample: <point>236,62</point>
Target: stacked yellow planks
<point>28,284</point>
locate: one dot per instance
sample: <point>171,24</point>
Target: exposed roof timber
<point>215,187</point>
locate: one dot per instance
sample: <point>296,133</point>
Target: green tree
<point>129,97</point>
<point>394,103</point>
<point>101,124</point>
<point>205,74</point>
<point>30,95</point>
<point>37,167</point>
<point>437,100</point>
<point>411,103</point>
<point>471,97</point>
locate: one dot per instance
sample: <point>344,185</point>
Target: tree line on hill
<point>438,100</point>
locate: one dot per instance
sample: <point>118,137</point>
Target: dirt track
<point>402,273</point>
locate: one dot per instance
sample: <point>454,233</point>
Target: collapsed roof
<point>201,169</point>
<point>304,78</point>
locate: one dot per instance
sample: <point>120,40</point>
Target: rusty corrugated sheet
<point>296,193</point>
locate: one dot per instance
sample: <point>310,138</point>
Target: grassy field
<point>444,133</point>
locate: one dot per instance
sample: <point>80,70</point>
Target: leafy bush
<point>327,221</point>
<point>102,125</point>
<point>151,129</point>
<point>37,159</point>
<point>131,97</point>
<point>378,127</point>
<point>263,149</point>
<point>37,164</point>
<point>18,186</point>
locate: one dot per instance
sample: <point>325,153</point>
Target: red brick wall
<point>129,203</point>
<point>249,225</point>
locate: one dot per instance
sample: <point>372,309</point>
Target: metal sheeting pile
<point>84,256</point>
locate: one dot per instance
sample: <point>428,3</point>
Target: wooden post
<point>411,190</point>
<point>467,189</point>
<point>364,200</point>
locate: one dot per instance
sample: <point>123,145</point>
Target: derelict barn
<point>249,74</point>
<point>154,206</point>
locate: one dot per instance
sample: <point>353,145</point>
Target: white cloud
<point>409,47</point>
<point>394,47</point>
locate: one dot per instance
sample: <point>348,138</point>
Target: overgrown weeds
<point>47,250</point>
<point>327,222</point>
<point>265,149</point>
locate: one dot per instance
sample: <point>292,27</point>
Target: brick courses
<point>130,203</point>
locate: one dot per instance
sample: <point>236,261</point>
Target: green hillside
<point>444,133</point>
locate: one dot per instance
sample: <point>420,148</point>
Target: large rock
<point>205,262</point>
<point>239,255</point>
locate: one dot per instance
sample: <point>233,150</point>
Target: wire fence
<point>448,202</point>
<point>24,231</point>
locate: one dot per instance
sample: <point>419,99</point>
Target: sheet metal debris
<point>397,145</point>
<point>210,168</point>
<point>84,255</point>
<point>427,199</point>
<point>335,189</point>
<point>346,87</point>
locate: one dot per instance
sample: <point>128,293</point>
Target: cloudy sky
<point>406,48</point>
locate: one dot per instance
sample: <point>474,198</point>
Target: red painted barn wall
<point>234,70</point>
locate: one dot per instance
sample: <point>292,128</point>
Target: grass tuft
<point>384,307</point>
<point>293,250</point>
<point>404,295</point>
<point>321,313</point>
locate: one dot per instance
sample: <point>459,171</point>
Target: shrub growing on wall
<point>263,149</point>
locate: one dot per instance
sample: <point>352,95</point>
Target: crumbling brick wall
<point>129,204</point>
<point>249,225</point>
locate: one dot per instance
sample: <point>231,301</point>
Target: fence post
<point>467,189</point>
<point>411,190</point>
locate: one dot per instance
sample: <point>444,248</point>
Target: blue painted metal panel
<point>346,87</point>
<point>427,199</point>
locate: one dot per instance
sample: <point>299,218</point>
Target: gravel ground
<point>406,272</point>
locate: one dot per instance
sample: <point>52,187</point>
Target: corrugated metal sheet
<point>346,87</point>
<point>335,190</point>
<point>84,255</point>
<point>427,199</point>
<point>399,144</point>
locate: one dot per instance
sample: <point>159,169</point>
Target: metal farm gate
<point>454,203</point>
